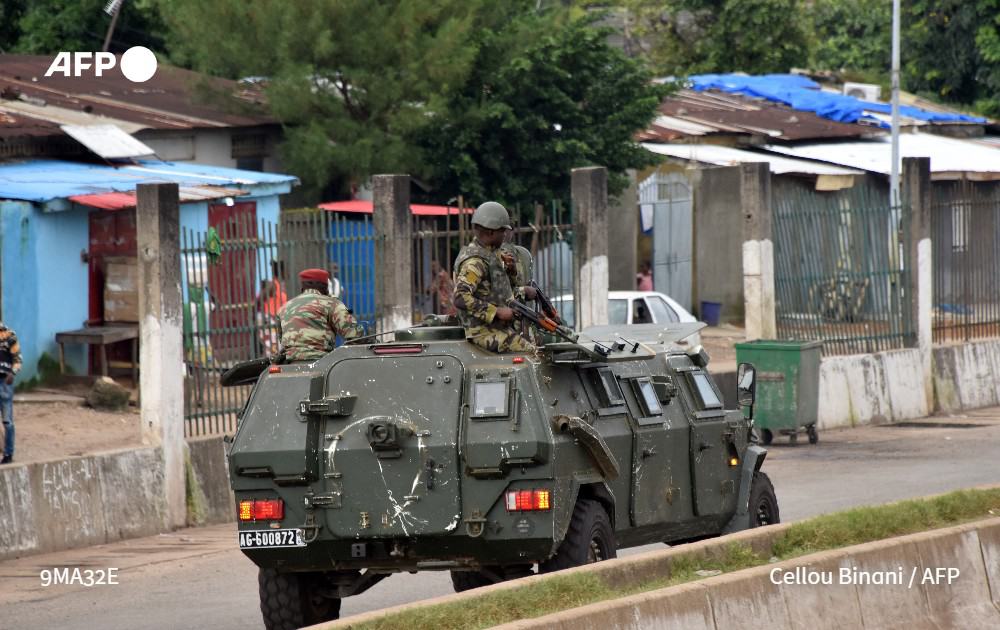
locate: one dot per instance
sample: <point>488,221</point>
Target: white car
<point>635,307</point>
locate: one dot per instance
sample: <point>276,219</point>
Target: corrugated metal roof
<point>728,156</point>
<point>172,99</point>
<point>45,180</point>
<point>108,141</point>
<point>951,158</point>
<point>697,114</point>
<point>125,200</point>
<point>362,206</point>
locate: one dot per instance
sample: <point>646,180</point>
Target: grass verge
<point>562,592</point>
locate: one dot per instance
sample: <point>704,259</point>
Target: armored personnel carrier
<point>426,453</point>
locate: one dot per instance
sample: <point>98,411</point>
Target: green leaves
<point>561,98</point>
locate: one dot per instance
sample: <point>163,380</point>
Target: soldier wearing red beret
<point>310,322</point>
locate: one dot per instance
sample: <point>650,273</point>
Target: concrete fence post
<point>161,355</point>
<point>758,251</point>
<point>590,202</point>
<point>393,252</point>
<point>916,191</point>
<point>624,233</point>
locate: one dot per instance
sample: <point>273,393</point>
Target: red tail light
<point>262,510</point>
<point>410,348</point>
<point>537,500</point>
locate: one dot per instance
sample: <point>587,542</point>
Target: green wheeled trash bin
<point>787,386</point>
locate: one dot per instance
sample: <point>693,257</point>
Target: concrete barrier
<point>871,389</point>
<point>751,598</point>
<point>96,499</point>
<point>967,376</point>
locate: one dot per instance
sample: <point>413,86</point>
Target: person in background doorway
<point>644,279</point>
<point>10,365</point>
<point>442,287</point>
<point>334,287</point>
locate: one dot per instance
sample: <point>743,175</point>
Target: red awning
<point>365,207</point>
<point>106,201</point>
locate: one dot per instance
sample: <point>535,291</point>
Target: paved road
<point>196,579</point>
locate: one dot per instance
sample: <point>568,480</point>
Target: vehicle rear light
<point>274,369</point>
<point>411,348</point>
<point>528,500</point>
<point>517,360</point>
<point>262,510</point>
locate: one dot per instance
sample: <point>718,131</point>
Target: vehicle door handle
<point>704,446</point>
<point>648,452</point>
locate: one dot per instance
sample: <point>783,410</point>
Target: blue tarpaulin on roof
<point>804,94</point>
<point>45,180</point>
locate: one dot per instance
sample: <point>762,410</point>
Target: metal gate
<point>235,280</point>
<point>668,197</point>
<point>544,230</point>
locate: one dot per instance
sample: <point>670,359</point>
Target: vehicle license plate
<point>271,539</point>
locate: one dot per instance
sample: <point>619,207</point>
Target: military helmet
<point>492,216</point>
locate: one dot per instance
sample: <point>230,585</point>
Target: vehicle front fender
<point>752,461</point>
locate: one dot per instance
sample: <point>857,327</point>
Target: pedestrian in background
<point>644,279</point>
<point>10,364</point>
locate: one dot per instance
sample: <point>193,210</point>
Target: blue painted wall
<point>45,285</point>
<point>44,280</point>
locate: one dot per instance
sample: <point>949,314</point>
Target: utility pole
<point>112,8</point>
<point>894,171</point>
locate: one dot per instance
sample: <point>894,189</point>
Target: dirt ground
<point>55,430</point>
<point>719,342</point>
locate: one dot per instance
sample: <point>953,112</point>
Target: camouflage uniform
<point>523,269</point>
<point>520,271</point>
<point>310,323</point>
<point>481,286</point>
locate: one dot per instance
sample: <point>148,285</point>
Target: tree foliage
<point>854,35</point>
<point>696,36</point>
<point>45,27</point>
<point>461,93</point>
<point>541,99</point>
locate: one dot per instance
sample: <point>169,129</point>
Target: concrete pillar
<point>916,193</point>
<point>161,354</point>
<point>758,251</point>
<point>590,203</point>
<point>623,231</point>
<point>393,252</point>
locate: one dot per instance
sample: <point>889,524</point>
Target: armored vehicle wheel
<point>589,538</point>
<point>813,434</point>
<point>292,600</point>
<point>468,580</point>
<point>763,502</point>
<point>766,437</point>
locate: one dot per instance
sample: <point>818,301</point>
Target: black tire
<point>763,502</point>
<point>467,580</point>
<point>813,434</point>
<point>766,437</point>
<point>291,600</point>
<point>589,538</point>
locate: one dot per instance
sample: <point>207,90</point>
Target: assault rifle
<point>542,321</point>
<point>548,309</point>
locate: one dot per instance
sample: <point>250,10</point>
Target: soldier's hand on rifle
<point>530,293</point>
<point>505,314</point>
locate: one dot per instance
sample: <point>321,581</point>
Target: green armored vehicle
<point>427,453</point>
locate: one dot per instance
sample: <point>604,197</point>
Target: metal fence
<point>233,286</point>
<point>839,273</point>
<point>965,237</point>
<point>544,230</point>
